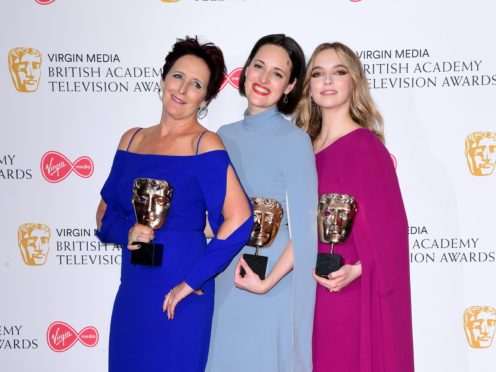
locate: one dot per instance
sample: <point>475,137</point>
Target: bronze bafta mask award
<point>151,201</point>
<point>268,216</point>
<point>334,220</point>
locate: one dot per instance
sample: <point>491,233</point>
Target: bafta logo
<point>480,150</point>
<point>267,220</point>
<point>479,323</point>
<point>34,242</point>
<point>25,68</point>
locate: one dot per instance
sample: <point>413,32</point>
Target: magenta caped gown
<point>367,326</point>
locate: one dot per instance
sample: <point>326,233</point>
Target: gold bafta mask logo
<point>151,201</point>
<point>335,217</point>
<point>34,242</point>
<point>480,150</point>
<point>25,68</point>
<point>479,323</point>
<point>267,220</point>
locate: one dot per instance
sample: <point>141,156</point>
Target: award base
<point>257,263</point>
<point>327,263</point>
<point>149,254</point>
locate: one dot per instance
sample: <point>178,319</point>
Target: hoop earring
<point>202,112</point>
<point>285,99</point>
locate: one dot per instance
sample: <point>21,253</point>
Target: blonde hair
<point>362,107</point>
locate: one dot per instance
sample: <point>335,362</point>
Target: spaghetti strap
<point>132,138</point>
<point>199,139</point>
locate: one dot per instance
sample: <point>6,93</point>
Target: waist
<point>190,229</point>
<point>179,236</point>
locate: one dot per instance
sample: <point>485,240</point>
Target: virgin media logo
<point>61,336</point>
<point>44,2</point>
<point>232,78</point>
<point>56,167</point>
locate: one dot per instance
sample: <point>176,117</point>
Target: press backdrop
<point>76,74</point>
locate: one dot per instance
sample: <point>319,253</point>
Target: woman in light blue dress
<point>266,325</point>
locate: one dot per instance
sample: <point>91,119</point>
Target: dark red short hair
<point>208,52</point>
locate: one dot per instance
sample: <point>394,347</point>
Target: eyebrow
<point>337,66</point>
<point>194,78</point>
<point>275,68</point>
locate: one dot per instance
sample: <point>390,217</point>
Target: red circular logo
<point>232,78</point>
<point>44,2</point>
<point>56,167</point>
<point>61,336</point>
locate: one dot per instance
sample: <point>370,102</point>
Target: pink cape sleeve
<point>380,231</point>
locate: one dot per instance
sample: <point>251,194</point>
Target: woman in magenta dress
<point>162,315</point>
<point>362,314</point>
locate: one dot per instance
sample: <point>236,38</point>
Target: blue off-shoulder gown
<point>271,332</point>
<point>141,336</point>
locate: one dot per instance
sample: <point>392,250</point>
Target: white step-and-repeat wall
<point>76,74</point>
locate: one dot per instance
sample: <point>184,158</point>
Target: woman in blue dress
<point>161,320</point>
<point>266,325</point>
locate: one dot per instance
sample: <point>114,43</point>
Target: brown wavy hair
<point>362,107</point>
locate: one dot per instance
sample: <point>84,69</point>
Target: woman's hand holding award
<point>268,216</point>
<point>151,201</point>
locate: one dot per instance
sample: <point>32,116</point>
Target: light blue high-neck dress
<point>270,332</point>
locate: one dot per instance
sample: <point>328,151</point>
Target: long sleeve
<point>380,233</point>
<point>116,222</point>
<point>298,164</point>
<point>381,219</point>
<point>211,174</point>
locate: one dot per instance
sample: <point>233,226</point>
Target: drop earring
<point>202,112</point>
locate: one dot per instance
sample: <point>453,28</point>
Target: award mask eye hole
<point>478,151</point>
<point>22,66</point>
<point>269,218</point>
<point>160,200</point>
<point>31,242</point>
<point>477,324</point>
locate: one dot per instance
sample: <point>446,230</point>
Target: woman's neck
<point>169,125</point>
<point>335,124</point>
<point>253,110</point>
